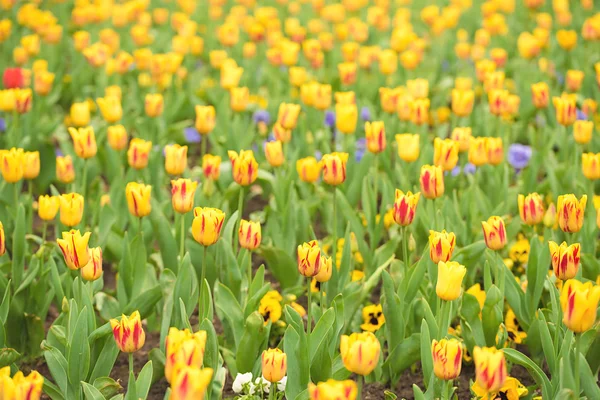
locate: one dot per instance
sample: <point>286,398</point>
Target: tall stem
<point>130,363</point>
<point>240,212</point>
<point>203,140</point>
<point>405,247</point>
<point>203,274</point>
<point>272,391</point>
<point>576,369</point>
<point>249,268</point>
<point>321,298</point>
<point>308,321</point>
<point>359,382</point>
<point>182,237</point>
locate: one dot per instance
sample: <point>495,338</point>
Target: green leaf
<point>426,356</point>
<point>32,272</point>
<point>588,380</point>
<point>57,364</point>
<point>537,270</point>
<point>131,388</point>
<point>281,265</point>
<point>206,302</point>
<point>90,392</point>
<point>536,372</point>
<point>4,307</point>
<point>252,342</point>
<point>144,380</point>
<point>106,360</point>
<point>547,344</point>
<point>294,346</point>
<point>145,302</point>
<point>8,356</point>
<point>229,309</point>
<point>320,333</point>
<point>52,390</point>
<point>404,355</point>
<point>166,241</point>
<point>79,351</point>
<point>107,386</point>
<point>19,247</point>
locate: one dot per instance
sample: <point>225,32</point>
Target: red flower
<point>13,78</point>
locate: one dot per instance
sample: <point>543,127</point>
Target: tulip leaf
<point>131,388</point>
<point>536,372</point>
<point>228,309</point>
<point>31,273</point>
<point>320,332</point>
<point>144,380</point>
<point>90,392</point>
<point>588,380</point>
<point>78,353</point>
<point>186,288</point>
<point>547,344</point>
<point>205,302</point>
<point>403,356</point>
<point>166,242</point>
<point>5,306</point>
<point>8,356</point>
<point>211,353</point>
<point>52,390</point>
<point>320,366</point>
<point>491,315</point>
<point>294,346</point>
<point>470,311</point>
<point>281,265</point>
<point>254,301</point>
<point>145,302</point>
<point>107,386</point>
<point>537,270</point>
<point>57,364</point>
<point>392,310</point>
<point>426,356</point>
<point>254,338</point>
<point>19,247</point>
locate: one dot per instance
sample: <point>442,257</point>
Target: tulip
<point>244,167</point>
<point>182,194</point>
<point>447,358</point>
<point>43,82</point>
<point>497,99</point>
<point>531,208</point>
<point>494,233</point>
<point>7,100</point>
<point>325,270</point>
<point>2,240</point>
<point>249,234</point>
<point>110,107</point>
<point>445,153</point>
<point>183,347</point>
<point>239,98</point>
<point>420,111</point>
<point>274,365</point>
<point>22,100</point>
<point>566,109</point>
<point>322,97</point>
<point>334,168</point>
<point>117,137</point>
<point>494,80</point>
<point>153,105</point>
<point>540,94</point>
<point>333,390</point>
<point>375,134</point>
<point>441,245</point>
<point>432,181</point>
<point>84,142</point>
<point>579,302</point>
<point>12,164</point>
<point>360,352</point>
<point>80,114</point>
<point>71,209</point>
<point>408,146</point>
<point>274,153</point>
<point>389,99</point>
<point>590,164</point>
<point>450,276</point>
<point>211,166</point>
<point>207,225</point>
<point>128,332</point>
<point>462,102</point>
<point>175,159</point>
<point>205,119</point>
<point>495,150</point>
<point>490,368</point>
<point>346,118</point>
<point>75,248</point>
<point>297,76</point>
<point>388,62</point>
<point>345,98</point>
<point>231,75</point>
<point>308,169</point>
<point>288,115</point>
<point>347,73</point>
<point>190,383</point>
<point>570,212</point>
<point>582,131</point>
<point>309,259</point>
<point>138,199</point>
<point>463,137</point>
<point>565,259</point>
<point>20,387</point>
<point>93,269</point>
<point>574,78</point>
<point>478,151</point>
<point>405,207</point>
<point>48,207</point>
<point>567,39</point>
<point>64,169</point>
<point>138,152</point>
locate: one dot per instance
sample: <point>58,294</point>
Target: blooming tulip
<point>334,168</point>
<point>205,119</point>
<point>153,105</point>
<point>211,166</point>
<point>582,131</point>
<point>80,114</point>
<point>408,146</point>
<point>447,358</point>
<point>183,347</point>
<point>432,181</point>
<point>531,208</point>
<point>308,169</point>
<point>93,269</point>
<point>128,332</point>
<point>249,234</point>
<point>579,302</point>
<point>71,209</point>
<point>570,212</point>
<point>490,368</point>
<point>441,245</point>
<point>65,172</point>
<point>566,109</point>
<point>75,248</point>
<point>590,165</point>
<point>449,280</point>
<point>360,352</point>
<point>190,383</point>
<point>138,152</point>
<point>207,225</point>
<point>110,107</point>
<point>288,115</point>
<point>445,153</point>
<point>494,233</point>
<point>325,270</point>
<point>175,159</point>
<point>274,365</point>
<point>346,118</point>
<point>244,167</point>
<point>84,142</point>
<point>2,240</point>
<point>405,207</point>
<point>463,137</point>
<point>462,102</point>
<point>309,258</point>
<point>12,164</point>
<point>182,194</point>
<point>375,134</point>
<point>117,137</point>
<point>565,259</point>
<point>274,153</point>
<point>48,207</point>
<point>138,199</point>
<point>333,390</point>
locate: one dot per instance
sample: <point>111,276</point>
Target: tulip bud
<point>308,169</point>
<point>375,134</point>
<point>138,152</point>
<point>117,137</point>
<point>190,383</point>
<point>309,259</point>
<point>12,164</point>
<point>274,365</point>
<point>531,208</point>
<point>346,117</point>
<point>48,207</point>
<point>325,270</point>
<point>205,119</point>
<point>22,100</point>
<point>432,181</point>
<point>93,269</point>
<point>490,368</point>
<point>239,98</point>
<point>334,168</point>
<point>288,115</point>
<point>84,142</point>
<point>128,332</point>
<point>333,390</point>
<point>153,105</point>
<point>405,207</point>
<point>244,167</point>
<point>540,94</point>
<point>478,152</point>
<point>494,233</point>
<point>447,358</point>
<point>175,159</point>
<point>75,248</point>
<point>570,212</point>
<point>249,234</point>
<point>71,209</point>
<point>463,137</point>
<point>64,169</point>
<point>207,225</point>
<point>565,259</point>
<point>2,240</point>
<point>182,194</point>
<point>31,164</point>
<point>183,347</point>
<point>449,280</point>
<point>566,108</point>
<point>138,198</point>
<point>360,352</point>
<point>21,387</point>
<point>582,131</point>
<point>322,99</point>
<point>550,217</point>
<point>579,302</point>
<point>80,114</point>
<point>441,245</point>
<point>420,111</point>
<point>408,146</point>
<point>211,166</point>
<point>274,153</point>
<point>110,107</point>
<point>462,102</point>
<point>43,81</point>
<point>445,153</point>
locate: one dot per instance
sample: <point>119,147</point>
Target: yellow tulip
<point>325,270</point>
<point>579,302</point>
<point>445,153</point>
<point>570,212</point>
<point>43,82</point>
<point>567,39</point>
<point>183,347</point>
<point>117,137</point>
<point>462,102</point>
<point>308,169</point>
<point>84,141</point>
<point>274,365</point>
<point>48,207</point>
<point>110,107</point>
<point>12,164</point>
<point>420,111</point>
<point>207,225</point>
<point>590,164</point>
<point>490,368</point>
<point>462,136</point>
<point>249,234</point>
<point>128,332</point>
<point>566,108</point>
<point>182,194</point>
<point>93,269</point>
<point>447,358</point>
<point>205,119</point>
<point>495,150</point>
<point>432,181</point>
<point>71,209</point>
<point>153,105</point>
<point>333,390</point>
<point>408,146</point>
<point>244,167</point>
<point>288,115</point>
<point>494,233</point>
<point>583,131</point>
<point>138,153</point>
<point>80,114</point>
<point>574,79</point>
<point>239,98</point>
<point>75,249</point>
<point>478,151</point>
<point>565,259</point>
<point>531,208</point>
<point>360,352</point>
<point>449,280</point>
<point>441,245</point>
<point>540,94</point>
<point>175,159</point>
<point>405,207</point>
<point>309,259</point>
<point>64,169</point>
<point>190,383</point>
<point>20,387</point>
<point>375,134</point>
<point>211,166</point>
<point>334,168</point>
<point>138,198</point>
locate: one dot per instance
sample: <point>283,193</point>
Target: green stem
<point>249,268</point>
<point>308,320</point>
<point>239,219</point>
<point>182,237</point>
<point>16,190</point>
<point>576,369</point>
<point>202,281</point>
<point>140,225</point>
<point>405,248</point>
<point>272,391</point>
<point>203,140</point>
<point>359,383</point>
<point>84,180</point>
<point>130,363</point>
<point>445,318</point>
<point>447,390</point>
<point>321,299</point>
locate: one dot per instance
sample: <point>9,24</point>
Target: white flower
<point>261,382</point>
<point>281,384</point>
<point>240,381</point>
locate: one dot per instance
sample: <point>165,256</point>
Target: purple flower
<point>58,152</point>
<point>445,65</point>
<point>330,119</point>
<point>519,155</point>
<point>2,125</point>
<point>581,115</point>
<point>261,116</point>
<point>318,155</point>
<point>469,169</point>
<point>365,114</point>
<point>361,146</point>
<point>455,171</point>
<point>192,135</point>
<point>560,78</point>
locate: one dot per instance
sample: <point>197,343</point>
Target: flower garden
<point>299,199</point>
